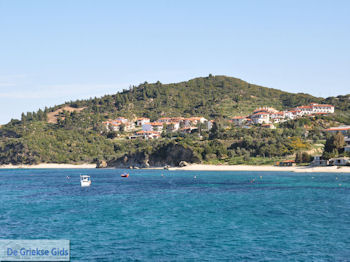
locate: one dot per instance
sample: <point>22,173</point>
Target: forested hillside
<point>73,132</point>
<point>212,97</point>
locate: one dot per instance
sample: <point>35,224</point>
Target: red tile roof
<point>147,132</point>
<point>338,128</point>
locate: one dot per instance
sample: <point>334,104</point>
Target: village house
<point>141,121</point>
<point>347,144</point>
<point>342,129</point>
<point>277,117</point>
<point>172,126</point>
<point>119,124</point>
<point>305,110</point>
<point>188,129</point>
<point>286,163</point>
<point>193,121</point>
<point>128,126</point>
<point>164,120</point>
<point>112,125</point>
<point>154,126</point>
<point>319,108</point>
<point>261,118</point>
<point>239,120</point>
<point>293,114</point>
<point>147,134</point>
<point>339,161</point>
<point>314,108</point>
<point>177,119</point>
<point>318,161</point>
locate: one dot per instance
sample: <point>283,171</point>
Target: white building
<point>318,161</point>
<point>147,134</point>
<point>319,108</point>
<point>277,117</point>
<point>173,126</point>
<point>141,121</point>
<point>112,125</point>
<point>261,118</point>
<point>154,126</point>
<point>340,161</point>
<point>128,126</point>
<point>314,108</point>
<point>192,121</point>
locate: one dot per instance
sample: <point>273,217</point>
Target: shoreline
<point>196,167</point>
<point>296,169</point>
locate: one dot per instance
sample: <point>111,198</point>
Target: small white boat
<point>85,180</point>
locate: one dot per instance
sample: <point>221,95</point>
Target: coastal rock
<point>183,163</point>
<point>101,164</point>
<point>169,154</point>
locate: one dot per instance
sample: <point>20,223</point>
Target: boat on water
<point>85,180</point>
<point>124,175</point>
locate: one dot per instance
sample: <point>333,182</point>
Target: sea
<point>160,215</point>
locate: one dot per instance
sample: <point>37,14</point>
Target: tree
<point>334,142</point>
<point>298,157</point>
<point>306,158</point>
<point>339,141</point>
<point>214,131</point>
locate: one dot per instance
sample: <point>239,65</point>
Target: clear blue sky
<point>55,51</point>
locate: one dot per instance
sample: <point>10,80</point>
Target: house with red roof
<point>261,118</point>
<point>147,134</point>
<point>342,129</point>
<point>315,108</point>
<point>153,126</point>
<point>172,126</point>
<point>193,121</point>
<point>239,120</point>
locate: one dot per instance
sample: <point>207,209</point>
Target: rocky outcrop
<point>101,164</point>
<point>169,154</point>
<point>183,163</point>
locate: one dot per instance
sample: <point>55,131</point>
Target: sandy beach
<point>46,165</point>
<point>200,167</point>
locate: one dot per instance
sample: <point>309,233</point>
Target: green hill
<point>212,96</point>
<point>73,132</point>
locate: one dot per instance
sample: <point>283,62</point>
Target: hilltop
<point>212,97</point>
<point>74,133</point>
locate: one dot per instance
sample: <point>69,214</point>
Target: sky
<point>61,50</point>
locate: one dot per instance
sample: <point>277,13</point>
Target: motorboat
<point>124,175</point>
<point>85,180</point>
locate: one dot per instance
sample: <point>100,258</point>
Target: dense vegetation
<point>78,137</point>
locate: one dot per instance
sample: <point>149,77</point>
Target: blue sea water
<point>157,215</point>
